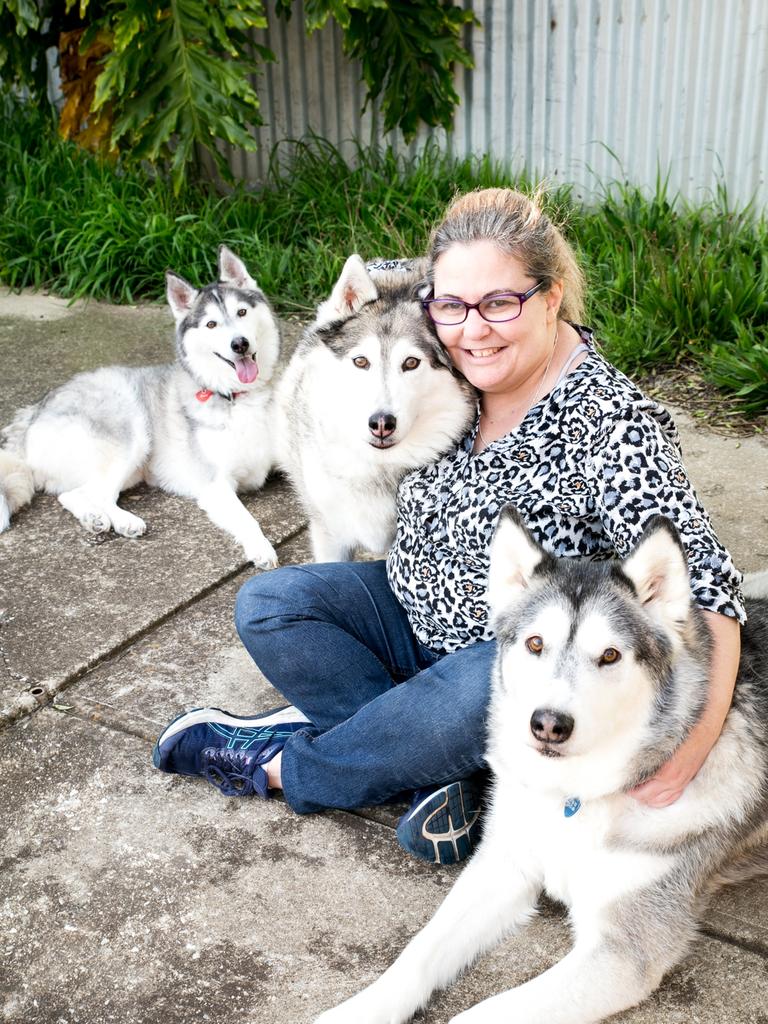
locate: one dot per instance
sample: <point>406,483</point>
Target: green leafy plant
<point>177,77</point>
<point>22,47</point>
<point>158,81</point>
<point>161,82</point>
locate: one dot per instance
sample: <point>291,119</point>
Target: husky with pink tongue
<point>199,427</point>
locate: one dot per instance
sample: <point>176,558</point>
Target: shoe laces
<point>234,772</point>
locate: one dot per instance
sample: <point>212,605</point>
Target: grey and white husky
<point>602,671</point>
<point>200,427</point>
<point>368,395</point>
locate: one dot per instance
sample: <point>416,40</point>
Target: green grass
<point>669,283</point>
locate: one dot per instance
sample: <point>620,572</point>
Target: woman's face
<point>498,357</point>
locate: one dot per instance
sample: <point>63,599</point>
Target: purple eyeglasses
<point>496,309</point>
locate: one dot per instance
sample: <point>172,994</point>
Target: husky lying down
<point>601,673</point>
<point>200,427</point>
<point>368,396</point>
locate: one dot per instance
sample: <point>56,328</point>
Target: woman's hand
<point>667,785</point>
<point>669,782</point>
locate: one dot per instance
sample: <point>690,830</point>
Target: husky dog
<point>200,427</point>
<point>368,395</point>
<point>602,671</point>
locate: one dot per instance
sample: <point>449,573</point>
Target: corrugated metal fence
<point>584,91</point>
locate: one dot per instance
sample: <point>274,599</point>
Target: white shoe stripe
<point>289,714</point>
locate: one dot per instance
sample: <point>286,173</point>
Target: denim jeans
<point>388,714</point>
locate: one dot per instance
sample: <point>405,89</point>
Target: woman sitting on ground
<point>389,663</point>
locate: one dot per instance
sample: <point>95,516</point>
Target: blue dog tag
<point>571,806</point>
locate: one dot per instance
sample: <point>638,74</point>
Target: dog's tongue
<point>246,369</point>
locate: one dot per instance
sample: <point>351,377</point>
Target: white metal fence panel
<point>583,91</point>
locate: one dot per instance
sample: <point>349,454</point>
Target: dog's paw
<point>95,522</point>
<point>127,524</point>
<point>263,556</point>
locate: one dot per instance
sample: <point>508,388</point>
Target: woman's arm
<point>671,779</point>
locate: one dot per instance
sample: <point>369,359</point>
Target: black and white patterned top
<point>587,467</point>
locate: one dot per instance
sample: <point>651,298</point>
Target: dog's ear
<point>658,568</point>
<point>514,556</point>
<point>233,271</point>
<point>352,290</point>
<point>181,295</point>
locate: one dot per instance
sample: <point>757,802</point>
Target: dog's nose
<point>382,424</point>
<point>551,726</point>
<point>240,346</point>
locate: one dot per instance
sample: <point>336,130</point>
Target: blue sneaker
<point>442,825</point>
<point>227,750</point>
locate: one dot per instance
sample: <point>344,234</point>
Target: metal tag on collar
<point>572,804</point>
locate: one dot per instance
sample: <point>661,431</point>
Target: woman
<point>390,662</point>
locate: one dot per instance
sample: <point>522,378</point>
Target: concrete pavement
<point>132,896</point>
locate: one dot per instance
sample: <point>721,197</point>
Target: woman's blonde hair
<point>518,226</point>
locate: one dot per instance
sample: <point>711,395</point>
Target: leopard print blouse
<point>587,467</point>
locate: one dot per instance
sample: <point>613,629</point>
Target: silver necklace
<point>537,396</point>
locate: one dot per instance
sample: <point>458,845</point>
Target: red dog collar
<point>205,393</point>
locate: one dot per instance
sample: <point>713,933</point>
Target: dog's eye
<point>361,362</point>
<point>609,656</point>
<point>535,644</point>
<point>411,363</point>
<point>242,312</point>
<point>211,324</point>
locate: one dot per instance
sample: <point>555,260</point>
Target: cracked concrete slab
<point>192,659</point>
<point>115,909</point>
<point>135,897</point>
<point>71,601</point>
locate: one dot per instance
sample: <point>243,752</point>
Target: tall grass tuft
<point>670,282</point>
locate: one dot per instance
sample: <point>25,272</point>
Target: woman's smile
<point>483,354</point>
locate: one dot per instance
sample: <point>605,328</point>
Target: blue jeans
<point>388,714</point>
